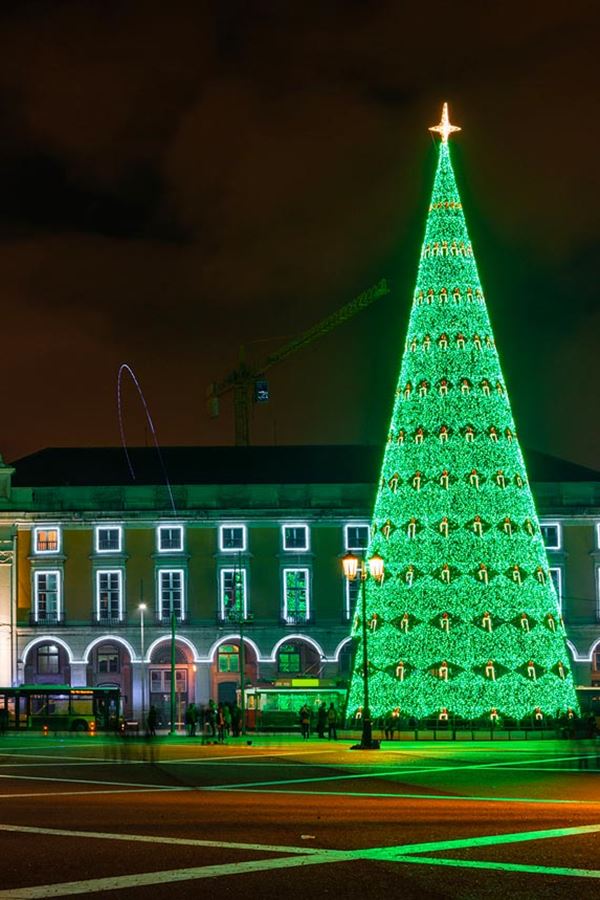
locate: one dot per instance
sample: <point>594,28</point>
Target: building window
<point>232,537</point>
<point>47,596</point>
<point>108,540</point>
<point>289,658</point>
<point>597,660</point>
<point>351,595</point>
<point>556,576</point>
<point>108,660</point>
<point>109,596</point>
<point>160,681</point>
<point>229,658</point>
<point>170,590</point>
<point>551,535</point>
<point>48,659</point>
<point>233,600</point>
<point>296,606</point>
<point>356,537</point>
<point>295,537</point>
<point>170,538</point>
<point>46,540</point>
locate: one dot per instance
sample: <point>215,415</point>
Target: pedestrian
<point>321,720</point>
<point>332,722</point>
<point>389,723</point>
<point>151,720</point>
<point>304,716</point>
<point>211,717</point>
<point>227,719</point>
<point>236,719</point>
<point>191,717</point>
<point>220,724</point>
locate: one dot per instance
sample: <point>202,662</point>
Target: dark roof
<point>326,464</point>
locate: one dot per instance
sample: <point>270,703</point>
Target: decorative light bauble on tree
<point>467,621</point>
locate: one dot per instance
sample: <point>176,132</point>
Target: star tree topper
<point>444,128</point>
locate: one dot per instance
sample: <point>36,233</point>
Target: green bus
<point>59,707</point>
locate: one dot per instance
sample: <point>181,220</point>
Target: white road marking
<point>120,882</point>
<point>157,839</point>
<point>42,794</point>
<point>135,784</point>
<point>303,857</point>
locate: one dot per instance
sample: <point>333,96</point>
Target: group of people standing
<point>219,721</point>
<point>327,719</point>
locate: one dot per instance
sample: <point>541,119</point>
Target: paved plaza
<point>281,817</point>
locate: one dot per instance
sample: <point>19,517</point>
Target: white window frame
<point>286,613</point>
<point>597,535</point>
<point>306,528</point>
<point>560,590</point>
<point>36,531</point>
<point>598,592</point>
<point>348,606</point>
<point>556,525</point>
<point>36,590</point>
<point>165,526</point>
<point>244,530</point>
<point>119,573</point>
<point>349,525</point>
<point>244,573</point>
<point>118,529</point>
<point>171,569</point>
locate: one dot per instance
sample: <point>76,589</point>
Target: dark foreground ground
<point>282,818</point>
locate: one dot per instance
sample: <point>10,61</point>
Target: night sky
<point>177,179</point>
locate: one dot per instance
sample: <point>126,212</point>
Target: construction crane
<point>247,379</point>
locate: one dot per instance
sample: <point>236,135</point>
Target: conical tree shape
<point>466,621</point>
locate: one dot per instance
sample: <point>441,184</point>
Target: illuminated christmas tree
<point>466,621</point>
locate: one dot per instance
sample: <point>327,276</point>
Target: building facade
<point>101,555</point>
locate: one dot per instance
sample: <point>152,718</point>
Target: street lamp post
<point>142,608</point>
<point>352,569</point>
<point>237,615</point>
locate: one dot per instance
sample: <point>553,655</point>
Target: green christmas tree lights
<point>466,621</point>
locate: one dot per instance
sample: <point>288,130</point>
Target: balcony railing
<point>46,619</point>
<point>108,621</point>
<point>296,619</point>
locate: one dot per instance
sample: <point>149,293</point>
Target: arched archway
<point>298,655</point>
<point>156,674</point>
<point>226,667</point>
<point>109,664</point>
<point>47,660</point>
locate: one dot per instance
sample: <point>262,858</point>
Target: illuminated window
<point>170,593</point>
<point>109,595</point>
<point>46,540</point>
<point>46,587</point>
<point>288,658</point>
<point>232,537</point>
<point>351,595</point>
<point>229,658</point>
<point>295,537</point>
<point>108,659</point>
<point>48,659</point>
<point>556,576</point>
<point>233,601</point>
<point>170,538</point>
<point>551,535</point>
<point>108,540</point>
<point>356,537</point>
<point>296,604</point>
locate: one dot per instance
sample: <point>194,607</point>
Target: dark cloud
<point>179,179</point>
